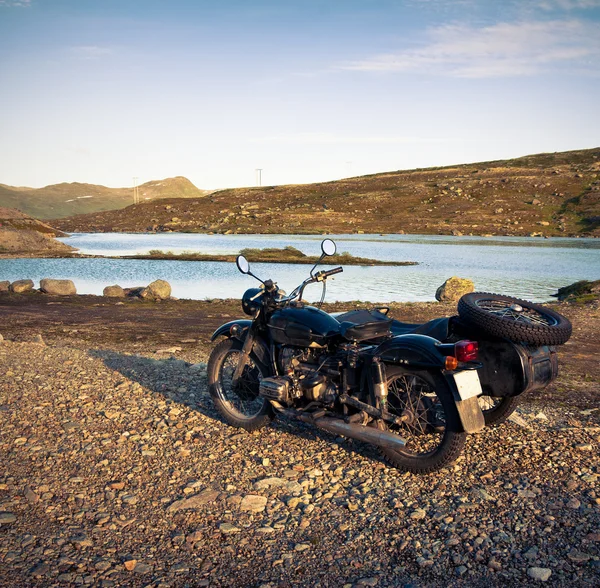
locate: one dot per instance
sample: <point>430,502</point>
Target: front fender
<point>423,352</point>
<point>259,347</point>
<point>224,330</point>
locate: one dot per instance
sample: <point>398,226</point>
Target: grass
<point>269,255</point>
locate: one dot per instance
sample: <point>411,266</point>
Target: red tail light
<point>466,350</point>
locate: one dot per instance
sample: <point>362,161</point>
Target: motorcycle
<point>414,391</point>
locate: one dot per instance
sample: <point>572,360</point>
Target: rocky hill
<point>59,200</point>
<point>21,235</point>
<point>548,194</point>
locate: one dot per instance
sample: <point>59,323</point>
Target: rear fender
<point>423,352</point>
<point>416,351</point>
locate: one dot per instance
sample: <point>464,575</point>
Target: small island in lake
<point>269,255</point>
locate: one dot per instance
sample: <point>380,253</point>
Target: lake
<point>525,267</point>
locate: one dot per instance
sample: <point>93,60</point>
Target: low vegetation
<point>269,255</point>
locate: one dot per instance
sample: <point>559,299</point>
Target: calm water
<point>530,268</point>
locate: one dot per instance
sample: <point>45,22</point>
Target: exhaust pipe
<point>367,434</point>
<point>382,439</point>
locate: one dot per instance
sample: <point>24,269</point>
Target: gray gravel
<point>117,471</point>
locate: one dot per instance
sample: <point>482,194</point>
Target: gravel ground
<point>116,471</point>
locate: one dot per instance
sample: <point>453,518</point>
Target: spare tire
<point>514,319</point>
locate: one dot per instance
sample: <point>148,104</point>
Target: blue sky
<point>100,91</point>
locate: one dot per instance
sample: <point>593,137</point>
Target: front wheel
<point>431,427</point>
<point>240,405</point>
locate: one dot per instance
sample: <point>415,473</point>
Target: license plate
<point>468,384</point>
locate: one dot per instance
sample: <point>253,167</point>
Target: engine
<point>307,376</point>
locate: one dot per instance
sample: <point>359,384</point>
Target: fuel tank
<point>302,327</point>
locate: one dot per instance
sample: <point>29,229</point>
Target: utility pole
<point>258,176</point>
<point>136,192</point>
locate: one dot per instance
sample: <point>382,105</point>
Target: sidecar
<point>514,360</point>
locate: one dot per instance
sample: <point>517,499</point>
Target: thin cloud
<point>15,3</point>
<point>568,5</point>
<point>501,50</point>
<point>332,139</point>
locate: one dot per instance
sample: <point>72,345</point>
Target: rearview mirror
<point>328,247</point>
<point>242,264</point>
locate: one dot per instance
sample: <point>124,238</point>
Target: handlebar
<point>325,274</point>
<point>297,293</point>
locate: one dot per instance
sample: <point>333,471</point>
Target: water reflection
<point>528,268</point>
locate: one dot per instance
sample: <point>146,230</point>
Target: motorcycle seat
<point>362,325</point>
<point>437,328</point>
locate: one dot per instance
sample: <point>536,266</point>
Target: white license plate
<point>468,384</point>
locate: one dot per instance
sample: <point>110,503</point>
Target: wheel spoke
<point>412,396</point>
<point>515,312</point>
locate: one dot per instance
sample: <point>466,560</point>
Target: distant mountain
<point>59,200</point>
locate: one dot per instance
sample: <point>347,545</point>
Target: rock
<point>194,501</point>
<point>160,289</point>
<point>270,483</point>
<point>456,233</point>
<point>113,291</point>
<point>4,286</point>
<point>81,540</point>
<point>418,514</point>
<point>453,288</point>
<point>253,503</point>
<point>6,518</point>
<point>58,287</point>
<point>21,286</point>
<point>228,529</point>
<point>578,556</point>
<point>40,569</point>
<point>130,564</point>
<point>31,496</point>
<point>541,574</point>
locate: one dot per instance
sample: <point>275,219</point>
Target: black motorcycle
<point>415,391</point>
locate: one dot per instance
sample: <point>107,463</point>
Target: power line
<point>258,176</point>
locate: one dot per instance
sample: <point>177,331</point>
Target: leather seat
<point>437,328</point>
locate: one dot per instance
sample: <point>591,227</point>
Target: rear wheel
<point>497,410</point>
<point>431,427</point>
<point>240,405</point>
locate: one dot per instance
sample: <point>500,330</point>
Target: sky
<point>102,91</point>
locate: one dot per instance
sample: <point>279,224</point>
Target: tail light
<point>466,350</point>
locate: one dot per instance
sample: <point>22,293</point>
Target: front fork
<point>243,361</point>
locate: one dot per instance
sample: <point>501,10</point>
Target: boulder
<point>453,288</point>
<point>160,289</point>
<point>58,287</point>
<point>4,285</point>
<point>21,286</point>
<point>114,291</point>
